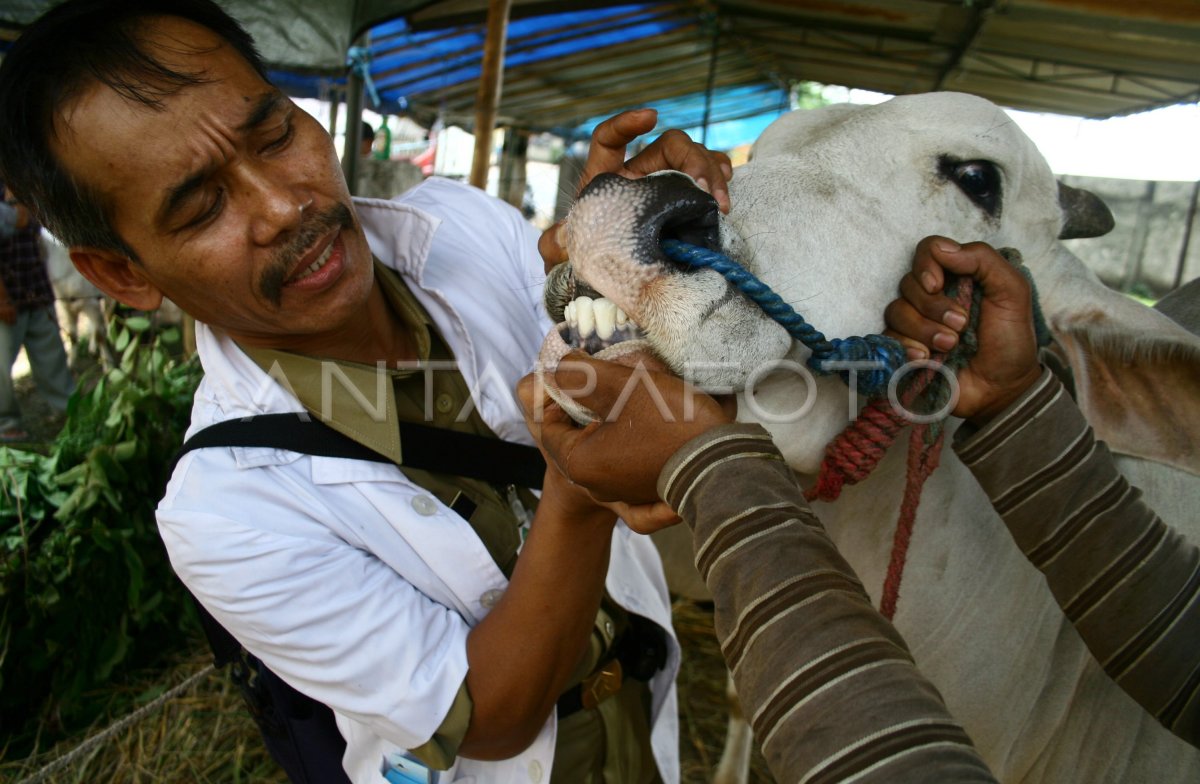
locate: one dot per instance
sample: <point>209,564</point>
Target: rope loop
<point>358,61</point>
<point>884,354</point>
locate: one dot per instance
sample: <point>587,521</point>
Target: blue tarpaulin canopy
<point>432,74</point>
<point>564,71</point>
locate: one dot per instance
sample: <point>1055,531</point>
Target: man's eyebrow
<point>178,193</point>
<point>266,105</point>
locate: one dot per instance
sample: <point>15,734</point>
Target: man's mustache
<point>315,225</point>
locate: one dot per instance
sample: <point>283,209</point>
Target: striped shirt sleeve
<point>827,683</point>
<point>1129,583</point>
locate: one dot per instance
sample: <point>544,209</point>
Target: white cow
<point>828,212</point>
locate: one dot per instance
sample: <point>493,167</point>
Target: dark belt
<point>638,653</point>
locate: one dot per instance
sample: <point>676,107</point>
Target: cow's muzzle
<point>670,207</point>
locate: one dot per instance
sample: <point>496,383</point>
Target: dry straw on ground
<point>205,736</point>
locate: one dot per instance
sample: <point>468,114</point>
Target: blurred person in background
<point>27,319</point>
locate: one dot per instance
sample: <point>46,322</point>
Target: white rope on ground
<point>83,748</point>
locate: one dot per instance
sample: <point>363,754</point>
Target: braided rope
<point>68,759</point>
<point>886,354</point>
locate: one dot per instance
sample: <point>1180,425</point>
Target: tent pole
<point>712,78</point>
<point>354,108</point>
<point>487,100</point>
<point>335,102</point>
<point>1187,235</point>
<point>514,155</point>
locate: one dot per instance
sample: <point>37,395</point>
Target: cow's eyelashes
<point>979,180</point>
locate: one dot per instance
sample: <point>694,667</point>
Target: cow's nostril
<point>698,227</point>
<point>678,210</point>
<point>691,220</point>
<point>666,205</point>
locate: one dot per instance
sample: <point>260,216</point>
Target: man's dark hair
<point>366,132</point>
<point>69,48</point>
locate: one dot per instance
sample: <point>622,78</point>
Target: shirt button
<point>444,403</point>
<point>490,597</point>
<point>424,505</point>
<point>535,771</point>
<point>609,628</point>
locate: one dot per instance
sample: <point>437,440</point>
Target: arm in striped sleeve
<point>1129,583</point>
<point>828,683</point>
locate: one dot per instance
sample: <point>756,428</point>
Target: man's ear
<point>117,276</point>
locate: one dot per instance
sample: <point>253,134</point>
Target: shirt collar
<point>399,232</point>
<point>354,399</point>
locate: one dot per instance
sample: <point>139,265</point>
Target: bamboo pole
<point>354,110</point>
<point>712,78</point>
<point>1187,235</point>
<point>487,100</point>
<point>335,100</point>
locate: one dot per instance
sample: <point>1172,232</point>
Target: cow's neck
<point>983,626</point>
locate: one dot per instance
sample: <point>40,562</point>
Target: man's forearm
<point>523,653</point>
<point>1128,582</point>
<point>827,683</point>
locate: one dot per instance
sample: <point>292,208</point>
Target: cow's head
<point>827,213</point>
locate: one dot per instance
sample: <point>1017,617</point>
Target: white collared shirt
<point>349,581</point>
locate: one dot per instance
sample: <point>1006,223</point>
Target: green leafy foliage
<point>808,95</point>
<point>85,585</point>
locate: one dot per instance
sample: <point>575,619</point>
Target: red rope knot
<point>857,450</point>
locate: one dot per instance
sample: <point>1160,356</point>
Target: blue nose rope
<point>885,351</point>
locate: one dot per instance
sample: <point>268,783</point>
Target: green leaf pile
<point>85,586</point>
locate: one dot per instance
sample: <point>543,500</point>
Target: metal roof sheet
<point>1095,58</point>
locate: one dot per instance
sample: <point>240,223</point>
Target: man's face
<point>231,196</point>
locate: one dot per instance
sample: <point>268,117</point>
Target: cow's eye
<point>979,180</point>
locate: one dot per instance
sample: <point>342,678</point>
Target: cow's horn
<point>1084,214</point>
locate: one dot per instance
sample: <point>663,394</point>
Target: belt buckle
<point>598,687</point>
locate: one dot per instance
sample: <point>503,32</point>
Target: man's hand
<point>646,416</point>
<point>924,319</point>
<point>673,150</point>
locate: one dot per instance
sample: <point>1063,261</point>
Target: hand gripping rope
<point>852,456</point>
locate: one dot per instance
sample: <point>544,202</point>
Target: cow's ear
<point>1183,306</point>
<point>1139,391</point>
<point>1084,214</point>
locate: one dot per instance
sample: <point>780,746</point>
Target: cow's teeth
<point>606,318</point>
<point>586,315</point>
<point>595,324</point>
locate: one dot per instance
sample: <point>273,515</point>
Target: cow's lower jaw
<point>586,320</point>
<point>630,351</point>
